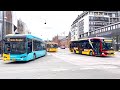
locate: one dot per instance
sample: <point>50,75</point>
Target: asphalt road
<point>63,65</point>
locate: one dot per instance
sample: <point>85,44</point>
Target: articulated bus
<point>23,47</point>
<point>95,46</point>
<point>52,47</point>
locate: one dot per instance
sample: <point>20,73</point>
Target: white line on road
<point>59,69</point>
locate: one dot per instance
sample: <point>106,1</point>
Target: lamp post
<point>2,33</point>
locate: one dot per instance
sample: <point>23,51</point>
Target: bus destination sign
<point>15,39</point>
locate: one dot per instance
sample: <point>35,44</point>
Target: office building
<point>91,20</point>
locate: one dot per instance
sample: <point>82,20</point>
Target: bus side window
<point>84,45</point>
<point>38,45</point>
<point>41,46</point>
<point>29,46</point>
<point>88,45</point>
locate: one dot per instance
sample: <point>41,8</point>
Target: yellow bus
<point>52,47</point>
<point>95,46</point>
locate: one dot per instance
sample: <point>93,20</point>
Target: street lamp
<point>44,20</point>
<point>2,33</point>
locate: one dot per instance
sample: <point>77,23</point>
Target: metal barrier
<point>97,31</point>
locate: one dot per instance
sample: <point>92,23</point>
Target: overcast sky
<point>57,22</point>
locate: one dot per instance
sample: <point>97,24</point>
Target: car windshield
<point>15,48</point>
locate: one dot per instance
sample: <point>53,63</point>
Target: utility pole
<point>117,42</point>
<point>3,33</point>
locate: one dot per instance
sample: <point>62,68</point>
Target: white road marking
<point>59,69</point>
<point>95,62</point>
<point>99,67</point>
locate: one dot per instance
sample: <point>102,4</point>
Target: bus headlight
<point>102,53</point>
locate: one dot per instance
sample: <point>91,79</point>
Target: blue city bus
<point>23,47</point>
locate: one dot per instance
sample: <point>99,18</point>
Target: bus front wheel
<point>34,57</point>
<point>74,51</point>
<point>91,53</point>
<point>80,51</point>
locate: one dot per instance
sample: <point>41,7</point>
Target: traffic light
<point>45,23</point>
<point>15,28</point>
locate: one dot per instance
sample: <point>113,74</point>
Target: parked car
<point>62,47</point>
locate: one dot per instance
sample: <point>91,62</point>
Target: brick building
<point>62,40</point>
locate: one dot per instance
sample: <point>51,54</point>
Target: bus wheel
<point>80,52</point>
<point>34,57</point>
<point>45,53</point>
<point>91,53</point>
<point>74,51</point>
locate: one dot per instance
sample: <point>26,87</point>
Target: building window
<point>95,13</point>
<point>1,13</point>
<point>113,27</point>
<point>92,23</point>
<point>109,28</point>
<point>110,14</point>
<point>113,15</point>
<point>119,25</point>
<point>105,13</point>
<point>106,28</point>
<point>100,13</point>
<point>95,31</point>
<point>91,18</point>
<point>98,30</point>
<point>116,26</point>
<point>116,14</point>
<point>74,33</point>
<point>102,30</point>
<point>107,19</point>
<point>91,13</point>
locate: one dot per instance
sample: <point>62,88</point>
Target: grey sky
<point>57,22</point>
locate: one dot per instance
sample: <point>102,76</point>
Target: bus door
<point>6,51</point>
<point>96,47</point>
<point>86,47</point>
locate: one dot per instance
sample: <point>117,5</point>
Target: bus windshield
<point>52,45</point>
<point>107,45</point>
<point>15,48</point>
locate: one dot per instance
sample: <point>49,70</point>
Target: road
<point>63,65</point>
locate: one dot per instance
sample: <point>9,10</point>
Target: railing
<point>97,31</point>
